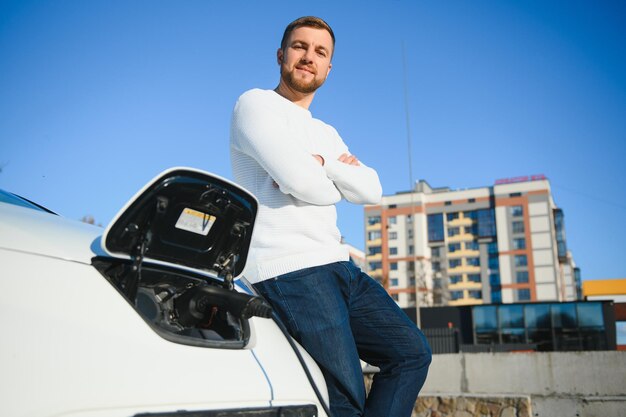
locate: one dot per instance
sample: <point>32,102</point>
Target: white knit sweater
<point>272,141</point>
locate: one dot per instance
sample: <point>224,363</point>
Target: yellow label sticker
<point>195,221</point>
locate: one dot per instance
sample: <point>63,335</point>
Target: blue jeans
<point>339,314</point>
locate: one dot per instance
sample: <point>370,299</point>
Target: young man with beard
<point>299,167</point>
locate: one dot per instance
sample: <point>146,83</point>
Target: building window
<point>456,295</point>
<point>447,203</point>
<point>391,206</point>
<point>436,266</point>
<point>552,327</point>
<point>410,266</point>
<point>473,261</point>
<point>393,251</point>
<point>521,277</point>
<point>559,228</point>
<point>409,219</point>
<point>452,216</point>
<point>393,282</point>
<point>374,250</point>
<point>515,194</point>
<point>453,231</point>
<point>471,200</point>
<point>435,252</point>
<point>372,220</point>
<point>486,324</point>
<point>523,295</point>
<point>517,211</point>
<point>518,227</point>
<point>471,214</point>
<point>494,263</point>
<point>393,235</point>
<point>476,294</point>
<point>455,279</point>
<point>492,248</point>
<point>471,245</point>
<point>511,320</point>
<point>473,277</point>
<point>521,260</point>
<point>519,243</point>
<point>374,235</point>
<point>453,247</point>
<point>410,249</point>
<point>392,220</point>
<point>435,227</point>
<point>454,263</point>
<point>410,233</point>
<point>486,222</point>
<point>395,297</point>
<point>471,230</point>
<point>375,265</point>
<point>393,266</point>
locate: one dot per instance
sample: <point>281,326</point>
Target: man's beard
<point>300,85</point>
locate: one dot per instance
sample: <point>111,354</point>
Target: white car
<point>149,318</point>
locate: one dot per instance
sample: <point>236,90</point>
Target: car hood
<point>42,233</point>
<point>186,217</point>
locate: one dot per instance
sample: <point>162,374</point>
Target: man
<point>299,167</point>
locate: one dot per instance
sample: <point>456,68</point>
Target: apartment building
<point>498,244</point>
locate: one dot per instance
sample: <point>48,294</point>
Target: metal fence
<point>443,340</point>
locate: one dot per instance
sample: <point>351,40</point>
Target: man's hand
<point>349,159</point>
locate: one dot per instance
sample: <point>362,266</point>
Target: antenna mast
<point>411,184</point>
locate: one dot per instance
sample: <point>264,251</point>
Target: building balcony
<point>463,254</point>
<point>375,226</point>
<point>465,302</point>
<point>375,257</point>
<point>466,269</point>
<point>455,271</point>
<point>460,222</point>
<point>465,285</point>
<point>461,237</point>
<point>374,242</point>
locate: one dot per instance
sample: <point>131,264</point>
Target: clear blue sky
<point>97,97</point>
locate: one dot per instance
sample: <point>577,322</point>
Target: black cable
<point>292,343</point>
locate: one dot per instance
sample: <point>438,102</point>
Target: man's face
<point>305,61</point>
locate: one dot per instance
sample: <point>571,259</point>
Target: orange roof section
<point>604,287</point>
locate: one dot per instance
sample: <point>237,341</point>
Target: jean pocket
<point>300,273</point>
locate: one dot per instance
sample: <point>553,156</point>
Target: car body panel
<point>75,345</point>
<point>30,231</point>
<point>61,356</point>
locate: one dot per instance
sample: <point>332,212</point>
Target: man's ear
<point>279,56</point>
<point>328,70</point>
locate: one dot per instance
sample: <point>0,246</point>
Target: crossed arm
<point>357,183</point>
<point>317,179</point>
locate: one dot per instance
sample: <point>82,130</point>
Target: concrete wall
<point>584,384</point>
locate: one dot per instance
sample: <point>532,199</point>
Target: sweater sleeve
<point>358,184</point>
<point>258,131</point>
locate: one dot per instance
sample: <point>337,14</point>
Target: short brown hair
<point>306,21</point>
